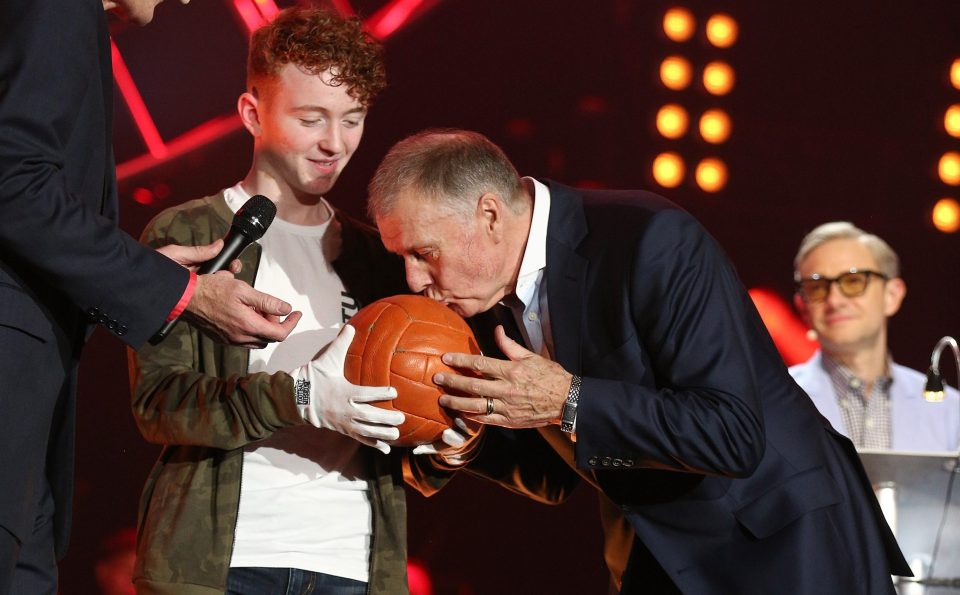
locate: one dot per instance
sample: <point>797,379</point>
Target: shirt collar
<point>535,253</point>
<point>842,375</point>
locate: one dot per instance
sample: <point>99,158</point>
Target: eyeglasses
<point>852,284</point>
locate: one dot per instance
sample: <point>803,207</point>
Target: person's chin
<point>459,309</point>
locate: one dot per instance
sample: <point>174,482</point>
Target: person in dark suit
<point>65,265</point>
<point>645,365</point>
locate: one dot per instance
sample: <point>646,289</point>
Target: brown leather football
<point>398,343</point>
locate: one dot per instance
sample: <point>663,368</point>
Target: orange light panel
<point>672,121</point>
<point>711,174</point>
<point>951,120</point>
<point>949,168</point>
<point>718,78</point>
<point>722,30</point>
<point>678,24</point>
<point>715,126</point>
<point>955,73</point>
<point>676,73</point>
<point>668,169</point>
<point>946,215</point>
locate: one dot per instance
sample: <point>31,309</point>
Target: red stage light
<point>788,332</point>
<point>418,579</point>
<point>393,16</point>
<point>138,109</point>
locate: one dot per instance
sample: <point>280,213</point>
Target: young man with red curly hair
<point>276,474</point>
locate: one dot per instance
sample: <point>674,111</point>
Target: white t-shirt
<point>303,494</point>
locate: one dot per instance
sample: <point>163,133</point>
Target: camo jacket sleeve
<point>190,390</point>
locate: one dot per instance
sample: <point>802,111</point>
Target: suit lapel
<point>566,274</point>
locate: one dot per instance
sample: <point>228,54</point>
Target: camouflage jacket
<point>196,398</point>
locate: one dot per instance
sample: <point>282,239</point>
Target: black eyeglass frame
<point>831,280</point>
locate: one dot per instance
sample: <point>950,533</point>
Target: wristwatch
<point>568,415</point>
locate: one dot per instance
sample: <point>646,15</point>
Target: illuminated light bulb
<point>949,168</point>
<point>678,24</point>
<point>946,215</point>
<point>722,30</point>
<point>951,120</point>
<point>672,121</point>
<point>955,73</point>
<point>668,170</point>
<point>718,78</point>
<point>676,72</point>
<point>711,174</point>
<point>715,126</point>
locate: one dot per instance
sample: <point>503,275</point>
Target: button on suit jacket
<point>688,422</point>
<point>63,262</point>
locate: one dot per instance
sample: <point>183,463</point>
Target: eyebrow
<point>320,108</point>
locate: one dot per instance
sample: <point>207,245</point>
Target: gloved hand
<point>454,443</point>
<point>332,402</point>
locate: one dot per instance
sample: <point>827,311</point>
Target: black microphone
<point>249,224</point>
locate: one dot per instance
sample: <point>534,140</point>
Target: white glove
<point>330,401</point>
<point>452,442</point>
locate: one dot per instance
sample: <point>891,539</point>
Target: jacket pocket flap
<point>787,502</point>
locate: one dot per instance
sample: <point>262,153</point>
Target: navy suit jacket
<point>688,421</point>
<point>64,264</point>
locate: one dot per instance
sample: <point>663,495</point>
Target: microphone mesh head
<point>255,216</point>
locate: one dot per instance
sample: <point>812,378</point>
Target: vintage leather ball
<point>399,341</point>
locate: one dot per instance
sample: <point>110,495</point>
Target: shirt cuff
<point>184,299</point>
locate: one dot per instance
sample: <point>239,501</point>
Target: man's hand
<point>528,391</point>
<point>192,257</point>
<point>231,311</point>
<point>228,309</point>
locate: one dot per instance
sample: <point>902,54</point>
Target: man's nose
<point>417,278</point>
<point>332,139</point>
<point>834,295</point>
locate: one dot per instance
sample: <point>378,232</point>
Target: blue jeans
<point>289,581</point>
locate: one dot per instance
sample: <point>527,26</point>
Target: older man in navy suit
<point>640,360</point>
<point>65,266</point>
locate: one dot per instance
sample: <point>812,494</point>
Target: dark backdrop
<point>837,114</point>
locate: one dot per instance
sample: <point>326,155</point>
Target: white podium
<point>912,490</point>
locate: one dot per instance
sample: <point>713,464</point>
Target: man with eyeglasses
<point>848,286</point>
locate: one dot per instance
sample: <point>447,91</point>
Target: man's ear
<point>893,293</point>
<point>490,211</point>
<point>248,106</point>
<point>801,307</point>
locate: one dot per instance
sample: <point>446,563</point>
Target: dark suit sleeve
<point>697,409</point>
<point>54,139</point>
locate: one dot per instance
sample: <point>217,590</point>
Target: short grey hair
<point>887,259</point>
<point>451,167</point>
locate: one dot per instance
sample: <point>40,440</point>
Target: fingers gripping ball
<point>399,341</point>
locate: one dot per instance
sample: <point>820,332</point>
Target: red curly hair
<point>318,40</point>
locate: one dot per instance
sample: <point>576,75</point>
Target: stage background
<point>837,113</point>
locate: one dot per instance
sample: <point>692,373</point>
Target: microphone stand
<point>934,392</point>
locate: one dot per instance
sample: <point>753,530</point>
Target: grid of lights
<point>946,211</point>
<point>675,121</point>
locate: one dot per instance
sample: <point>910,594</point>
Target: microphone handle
<point>233,245</point>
